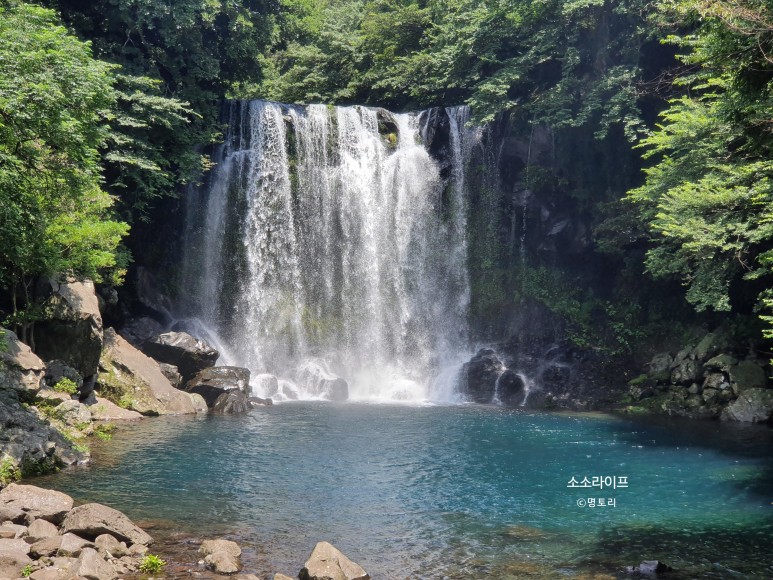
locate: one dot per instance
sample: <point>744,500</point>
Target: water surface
<point>448,491</point>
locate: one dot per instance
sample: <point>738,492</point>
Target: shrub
<point>66,385</point>
<point>151,564</point>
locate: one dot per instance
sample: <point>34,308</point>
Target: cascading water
<point>330,243</point>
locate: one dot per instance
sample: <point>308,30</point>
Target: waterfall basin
<point>456,491</point>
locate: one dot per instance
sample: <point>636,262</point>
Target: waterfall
<point>327,243</point>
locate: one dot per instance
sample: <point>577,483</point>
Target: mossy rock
<point>748,375</point>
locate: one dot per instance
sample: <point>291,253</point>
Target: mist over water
<point>327,243</point>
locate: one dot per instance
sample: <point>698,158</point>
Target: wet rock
<point>751,406</point>
<point>649,568</point>
<point>92,566</point>
<point>212,382</point>
<point>20,368</point>
<point>40,529</point>
<point>318,381</point>
<point>747,375</point>
<point>94,519</point>
<point>213,546</point>
<point>511,388</point>
<point>139,330</point>
<point>258,402</point>
<point>190,355</point>
<point>479,376</point>
<point>659,368</point>
<point>326,562</point>
<point>71,330</point>
<point>232,402</point>
<point>266,384</point>
<point>33,502</point>
<point>130,377</point>
<point>105,410</point>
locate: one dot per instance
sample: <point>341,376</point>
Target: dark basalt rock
<point>231,402</point>
<point>212,382</point>
<point>649,568</point>
<point>479,376</point>
<point>258,402</point>
<point>190,355</point>
<point>511,389</point>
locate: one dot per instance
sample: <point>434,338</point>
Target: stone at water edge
<point>92,566</point>
<point>190,355</point>
<point>212,382</point>
<point>480,374</point>
<point>511,389</point>
<point>650,568</point>
<point>223,563</point>
<point>232,403</point>
<point>34,502</point>
<point>94,519</point>
<point>106,410</point>
<point>751,406</point>
<point>326,562</point>
<point>107,544</point>
<point>212,546</point>
<point>258,402</point>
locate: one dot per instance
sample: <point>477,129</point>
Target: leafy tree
<point>54,215</point>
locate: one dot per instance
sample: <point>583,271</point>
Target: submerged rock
<point>190,355</point>
<point>650,568</point>
<point>480,375</point>
<point>212,382</point>
<point>326,562</point>
<point>221,556</point>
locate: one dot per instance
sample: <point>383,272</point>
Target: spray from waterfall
<point>326,244</point>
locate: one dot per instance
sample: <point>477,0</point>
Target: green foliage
<point>26,571</point>
<point>9,472</point>
<point>104,431</point>
<point>708,198</point>
<point>151,564</point>
<point>66,385</point>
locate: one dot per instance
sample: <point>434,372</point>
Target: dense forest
<point>107,108</point>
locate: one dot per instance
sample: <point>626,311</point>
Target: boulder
<point>265,385</point>
<point>12,564</point>
<point>172,374</point>
<point>46,574</point>
<point>105,410</point>
<point>29,440</point>
<point>73,413</point>
<point>34,502</point>
<point>213,546</point>
<point>15,546</point>
<point>20,368</point>
<point>315,378</point>
<point>94,519</point>
<point>751,406</point>
<point>659,368</point>
<point>711,344</point>
<point>747,375</point>
<point>107,545</point>
<point>40,529</point>
<point>212,382</point>
<point>326,562</point>
<point>721,362</point>
<point>46,547</point>
<point>91,566</point>
<point>716,381</point>
<point>199,403</point>
<point>232,402</point>
<point>222,563</point>
<point>639,392</point>
<point>139,330</point>
<point>479,376</point>
<point>258,402</point>
<point>56,370</point>
<point>128,376</point>
<point>686,372</point>
<point>10,531</point>
<point>190,355</point>
<point>511,388</point>
<point>72,545</point>
<point>71,330</point>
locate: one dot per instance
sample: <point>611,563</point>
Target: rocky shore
<point>43,536</point>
